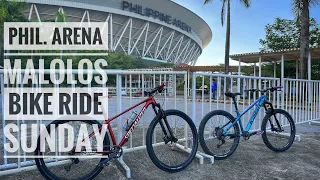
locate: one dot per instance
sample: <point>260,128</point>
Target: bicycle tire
<point>41,165</point>
<point>150,148</point>
<point>202,141</point>
<point>292,130</point>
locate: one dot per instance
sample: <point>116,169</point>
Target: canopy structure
<point>274,56</point>
<point>218,68</point>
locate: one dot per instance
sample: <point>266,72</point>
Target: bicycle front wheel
<point>212,139</point>
<point>60,165</point>
<point>172,141</point>
<point>279,130</point>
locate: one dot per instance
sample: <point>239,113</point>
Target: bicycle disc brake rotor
<point>219,133</point>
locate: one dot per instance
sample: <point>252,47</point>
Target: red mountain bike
<point>168,133</point>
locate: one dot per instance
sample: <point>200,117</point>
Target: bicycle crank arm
<point>232,135</point>
<point>105,162</point>
<point>256,133</point>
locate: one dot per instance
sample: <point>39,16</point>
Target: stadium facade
<point>158,30</point>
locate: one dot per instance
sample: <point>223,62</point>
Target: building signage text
<point>155,14</point>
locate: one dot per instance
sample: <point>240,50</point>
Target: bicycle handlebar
<point>275,88</point>
<point>159,88</point>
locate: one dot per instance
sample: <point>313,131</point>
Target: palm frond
<point>223,11</point>
<point>314,2</point>
<point>246,3</point>
<point>296,7</point>
<point>207,1</point>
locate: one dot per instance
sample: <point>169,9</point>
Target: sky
<point>247,25</point>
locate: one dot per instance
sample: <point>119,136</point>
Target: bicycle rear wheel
<point>63,165</point>
<point>279,132</point>
<point>211,137</point>
<point>169,153</point>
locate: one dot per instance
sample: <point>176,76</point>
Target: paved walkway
<point>252,160</point>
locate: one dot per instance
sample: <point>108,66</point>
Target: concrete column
<point>282,81</point>
<point>260,82</point>
<point>309,66</point>
<point>260,66</point>
<point>125,83</point>
<point>282,69</point>
<point>188,82</point>
<point>239,73</point>
<point>239,67</point>
<point>309,83</point>
<point>254,69</point>
<point>297,69</point>
<point>274,69</point>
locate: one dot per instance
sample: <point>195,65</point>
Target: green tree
<point>301,10</point>
<point>284,34</point>
<point>10,11</point>
<point>226,4</point>
<point>118,60</point>
<point>60,16</point>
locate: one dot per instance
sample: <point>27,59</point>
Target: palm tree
<point>301,10</point>
<point>246,3</point>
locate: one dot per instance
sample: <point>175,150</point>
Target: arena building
<point>159,30</point>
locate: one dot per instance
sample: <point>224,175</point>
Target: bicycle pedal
<point>259,132</point>
<point>105,162</point>
<point>76,161</point>
<point>67,168</point>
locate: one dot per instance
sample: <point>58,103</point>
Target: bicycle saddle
<point>232,95</point>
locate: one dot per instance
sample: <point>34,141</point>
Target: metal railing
<point>116,105</point>
<point>299,97</point>
<point>203,102</point>
<point>302,100</point>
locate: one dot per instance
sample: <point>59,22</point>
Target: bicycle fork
<point>274,115</point>
<point>166,129</point>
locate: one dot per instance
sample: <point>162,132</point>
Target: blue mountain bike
<point>219,131</point>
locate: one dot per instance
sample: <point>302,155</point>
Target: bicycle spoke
<point>79,164</point>
<point>279,131</point>
<point>170,149</point>
<point>212,139</point>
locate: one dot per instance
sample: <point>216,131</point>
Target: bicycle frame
<point>149,101</point>
<point>259,102</point>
